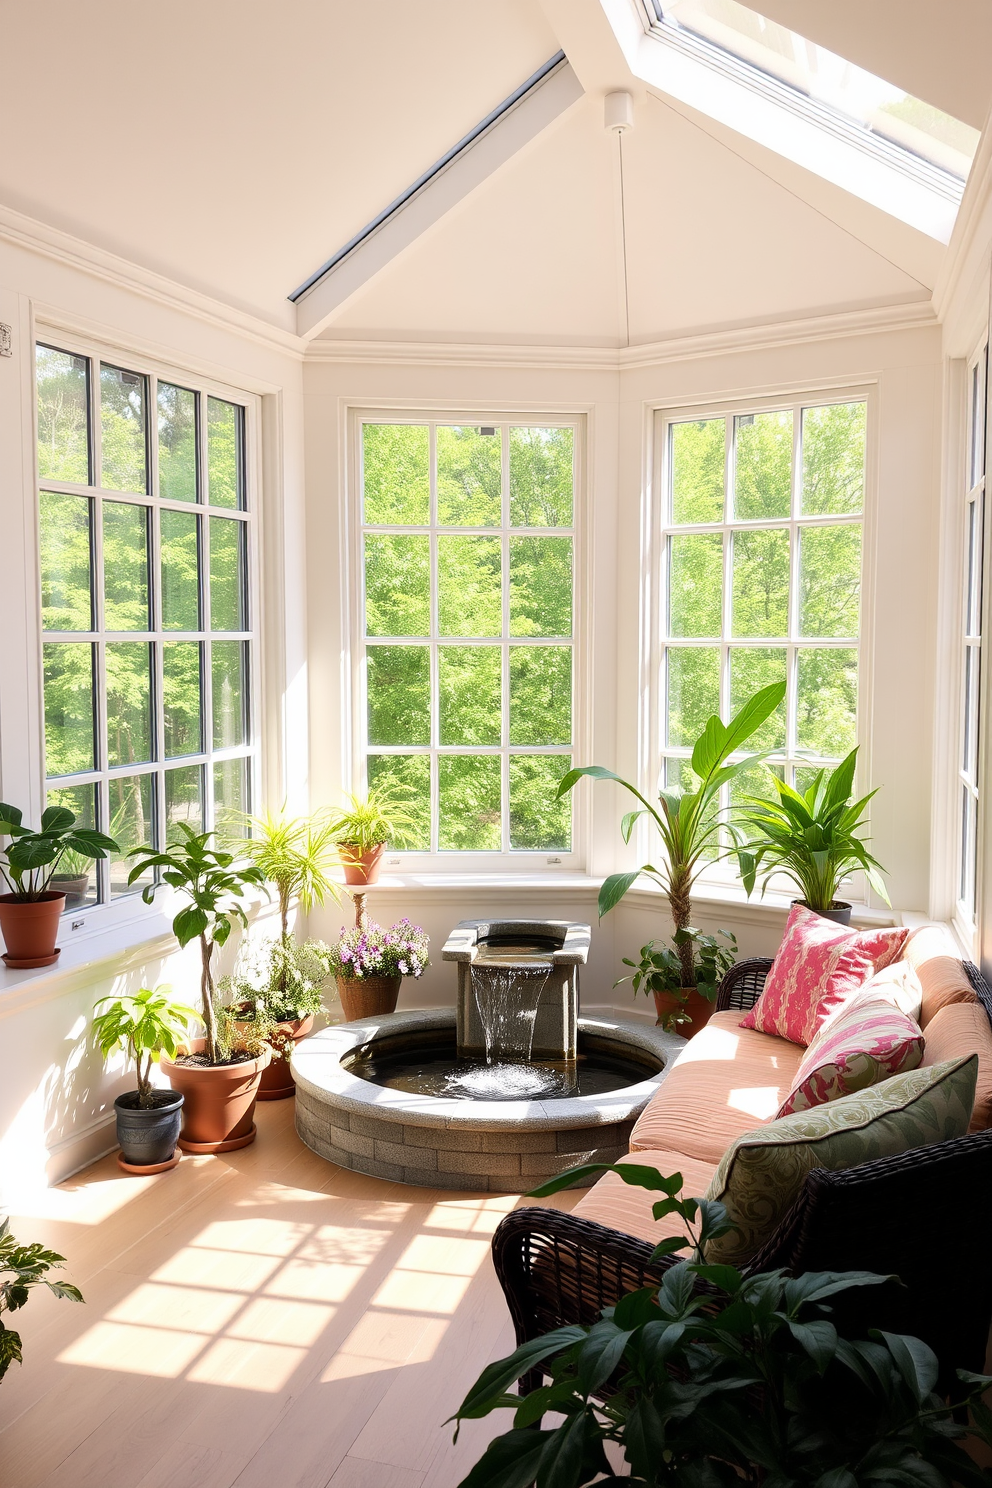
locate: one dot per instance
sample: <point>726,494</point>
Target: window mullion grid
<point>434,653</point>
<point>727,597</point>
<point>204,639</point>
<point>504,735</point>
<point>792,647</point>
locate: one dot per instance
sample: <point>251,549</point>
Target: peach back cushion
<point>931,953</point>
<point>961,1028</point>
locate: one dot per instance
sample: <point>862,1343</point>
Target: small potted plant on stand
<point>370,963</point>
<point>362,830</point>
<point>218,1074</point>
<point>689,824</point>
<point>148,1120</point>
<point>30,910</point>
<point>812,838</point>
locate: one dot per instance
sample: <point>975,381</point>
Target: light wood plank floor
<point>261,1319</point>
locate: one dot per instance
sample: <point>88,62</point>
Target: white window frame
<point>447,861</point>
<point>653,750</point>
<point>113,912</point>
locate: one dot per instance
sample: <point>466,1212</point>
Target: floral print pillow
<point>867,1041</point>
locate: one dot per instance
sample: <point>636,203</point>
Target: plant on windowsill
<point>814,838</point>
<point>689,824</point>
<point>363,829</point>
<point>370,964</point>
<point>23,1267</point>
<point>145,1025</point>
<point>218,1077</point>
<point>30,909</point>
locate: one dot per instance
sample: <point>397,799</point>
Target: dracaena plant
<point>815,838</point>
<point>714,1379</point>
<point>689,823</point>
<point>30,860</point>
<point>214,882</point>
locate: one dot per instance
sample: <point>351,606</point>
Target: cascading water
<point>506,995</point>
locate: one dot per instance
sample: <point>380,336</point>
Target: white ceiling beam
<point>440,194</point>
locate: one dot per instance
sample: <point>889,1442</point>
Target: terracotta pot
<point>695,1004</point>
<point>30,928</point>
<point>219,1105</point>
<point>75,887</point>
<point>277,1081</point>
<point>360,867</point>
<point>839,911</point>
<point>368,997</point>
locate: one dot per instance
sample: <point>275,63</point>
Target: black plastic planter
<point>148,1137</point>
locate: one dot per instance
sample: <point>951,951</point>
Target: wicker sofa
<point>924,1216</point>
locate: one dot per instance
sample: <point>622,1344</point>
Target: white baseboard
<point>81,1149</point>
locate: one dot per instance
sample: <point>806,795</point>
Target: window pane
<point>470,600</point>
<point>829,581</point>
<point>183,799</point>
<point>541,477</point>
<point>469,478</point>
<point>180,538</point>
<point>132,824</point>
<point>695,601</point>
<point>969,837</point>
<point>698,458</point>
<point>399,695</point>
<point>225,483</point>
<point>231,796</point>
<point>827,710</point>
<point>409,777</point>
<point>176,443</point>
<point>751,668</point>
<point>125,566</point>
<point>540,586</point>
<point>693,691</point>
<point>397,586</point>
<point>227,574</point>
<point>762,465</point>
<point>63,426</point>
<point>834,459</point>
<point>761,583</point>
<point>755,782</point>
<point>129,703</point>
<point>181,697</point>
<point>973,617</point>
<point>540,695</point>
<point>470,794</point>
<point>122,423</point>
<point>68,707</point>
<point>538,821</point>
<point>972,684</point>
<point>469,695</point>
<point>76,876</point>
<point>66,602</point>
<point>396,474</point>
<point>230,694</point>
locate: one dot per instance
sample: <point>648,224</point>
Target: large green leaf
<point>614,888</point>
<point>497,1377</point>
<point>189,923</point>
<point>600,1354</point>
<point>32,852</point>
<point>56,819</point>
<point>511,1461</point>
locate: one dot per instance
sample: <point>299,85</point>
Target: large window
<point>972,618</point>
<point>146,613</point>
<point>468,543</point>
<point>762,550</point>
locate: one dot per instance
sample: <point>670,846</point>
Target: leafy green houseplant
<point>30,909</point>
<point>23,1267</point>
<point>814,838</point>
<point>362,829</point>
<point>716,1380</point>
<point>689,824</point>
<point>144,1025</point>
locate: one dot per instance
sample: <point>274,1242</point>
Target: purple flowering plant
<point>375,952</point>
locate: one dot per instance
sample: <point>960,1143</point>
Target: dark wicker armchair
<point>924,1216</point>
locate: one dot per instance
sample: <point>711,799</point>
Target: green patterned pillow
<point>761,1174</point>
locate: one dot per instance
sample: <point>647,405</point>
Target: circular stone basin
<point>352,1109</point>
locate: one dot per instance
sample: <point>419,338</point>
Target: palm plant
<point>364,824</point>
<point>295,854</point>
<point>813,838</point>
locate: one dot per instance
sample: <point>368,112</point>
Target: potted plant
<point>689,824</point>
<point>218,1079</point>
<point>362,830</point>
<point>23,1267</point>
<point>717,1380</point>
<point>30,909</point>
<point>370,963</point>
<point>813,838</point>
<point>145,1025</point>
<point>660,969</point>
<point>73,880</point>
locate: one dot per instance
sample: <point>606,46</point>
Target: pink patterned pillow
<point>818,967</point>
<point>865,1042</point>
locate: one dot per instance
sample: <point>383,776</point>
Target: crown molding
<point>965,266</point>
<point>76,253</point>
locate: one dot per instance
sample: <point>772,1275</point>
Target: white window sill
<point>81,959</point>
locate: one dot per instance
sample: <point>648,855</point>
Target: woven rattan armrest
<point>742,985</point>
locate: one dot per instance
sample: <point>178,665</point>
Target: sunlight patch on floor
<point>245,1365</point>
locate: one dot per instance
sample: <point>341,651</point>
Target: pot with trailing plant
<point>815,838</point>
<point>370,964</point>
<point>690,825</point>
<point>363,829</point>
<point>218,1074</point>
<point>29,862</point>
<point>145,1026</point>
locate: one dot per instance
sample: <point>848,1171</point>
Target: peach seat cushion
<point>957,1029</point>
<point>613,1203</point>
<point>931,953</point>
<point>726,1081</point>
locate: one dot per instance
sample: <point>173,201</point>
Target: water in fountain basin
<point>506,995</point>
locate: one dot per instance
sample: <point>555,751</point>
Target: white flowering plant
<point>372,951</point>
